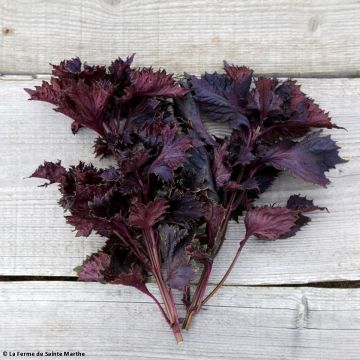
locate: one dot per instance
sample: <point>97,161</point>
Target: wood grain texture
<point>35,240</point>
<point>282,36</point>
<point>115,322</point>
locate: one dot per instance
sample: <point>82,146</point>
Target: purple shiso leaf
<point>146,216</point>
<point>241,75</point>
<point>187,108</point>
<point>85,103</point>
<point>184,208</point>
<point>302,205</point>
<point>133,278</point>
<point>241,81</point>
<point>130,161</point>
<point>215,94</point>
<point>300,112</point>
<point>179,271</point>
<point>54,172</point>
<point>49,92</point>
<point>173,154</point>
<point>93,267</point>
<point>108,205</point>
<point>308,159</point>
<point>244,156</point>
<point>264,98</point>
<point>83,226</point>
<point>73,69</point>
<point>110,174</point>
<point>146,82</point>
<point>269,222</point>
<point>273,223</point>
<point>214,215</point>
<point>67,67</point>
<point>108,268</point>
<point>119,68</point>
<point>221,171</point>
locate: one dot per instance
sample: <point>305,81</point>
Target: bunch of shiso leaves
<point>164,205</point>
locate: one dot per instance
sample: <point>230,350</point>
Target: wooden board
<point>35,240</point>
<point>312,37</point>
<point>115,322</point>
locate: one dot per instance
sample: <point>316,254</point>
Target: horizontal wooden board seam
<point>340,284</point>
<point>339,75</point>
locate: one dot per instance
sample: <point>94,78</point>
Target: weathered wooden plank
<point>35,240</point>
<point>112,322</point>
<point>284,36</point>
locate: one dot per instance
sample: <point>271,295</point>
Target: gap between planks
<point>339,284</point>
<point>13,76</point>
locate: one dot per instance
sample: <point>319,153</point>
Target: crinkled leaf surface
<point>146,215</point>
<point>179,271</point>
<point>269,222</point>
<point>308,159</point>
<point>172,155</point>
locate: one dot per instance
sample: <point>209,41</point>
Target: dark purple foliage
<point>146,216</point>
<point>308,159</point>
<point>179,271</point>
<point>164,205</point>
<point>269,222</point>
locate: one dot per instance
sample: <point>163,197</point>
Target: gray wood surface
<point>312,37</point>
<point>116,322</point>
<point>36,240</point>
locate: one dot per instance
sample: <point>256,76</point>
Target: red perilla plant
<point>165,204</point>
